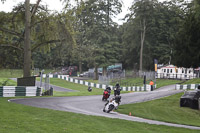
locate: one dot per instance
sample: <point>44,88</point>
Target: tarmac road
<point>93,105</point>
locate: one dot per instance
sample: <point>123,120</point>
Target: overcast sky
<point>57,5</point>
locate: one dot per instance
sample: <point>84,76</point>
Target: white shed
<point>173,72</point>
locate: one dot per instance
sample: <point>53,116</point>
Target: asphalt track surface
<point>93,105</point>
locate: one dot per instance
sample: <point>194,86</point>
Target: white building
<point>173,72</point>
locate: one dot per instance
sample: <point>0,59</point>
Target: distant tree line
<point>85,35</point>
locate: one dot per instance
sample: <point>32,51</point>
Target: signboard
<point>156,67</point>
<point>26,81</point>
<point>156,63</point>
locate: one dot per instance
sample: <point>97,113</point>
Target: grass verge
<point>7,82</point>
<point>165,109</point>
<point>16,118</point>
<point>11,73</point>
<point>192,81</point>
<point>16,73</point>
<point>139,82</point>
<point>165,82</point>
<point>81,90</point>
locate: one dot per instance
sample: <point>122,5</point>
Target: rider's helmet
<point>108,89</point>
<point>89,88</point>
<point>117,84</point>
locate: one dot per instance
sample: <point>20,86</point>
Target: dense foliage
<point>187,43</point>
<point>86,36</point>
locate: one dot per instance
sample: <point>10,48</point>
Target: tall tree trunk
<point>27,47</point>
<point>80,67</point>
<point>96,72</point>
<point>104,71</point>
<point>143,32</point>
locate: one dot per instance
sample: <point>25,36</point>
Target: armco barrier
<point>102,86</point>
<point>12,91</point>
<point>186,87</point>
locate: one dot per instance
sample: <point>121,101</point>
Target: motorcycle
<point>112,104</point>
<point>106,93</point>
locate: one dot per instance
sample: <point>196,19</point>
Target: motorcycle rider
<point>117,89</point>
<point>117,99</point>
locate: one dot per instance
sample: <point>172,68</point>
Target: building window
<point>167,70</point>
<point>171,70</point>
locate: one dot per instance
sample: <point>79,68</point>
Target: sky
<point>8,5</point>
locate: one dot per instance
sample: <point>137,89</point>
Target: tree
<point>154,28</point>
<point>27,47</point>
<point>188,38</point>
<point>142,11</point>
<point>141,14</point>
<point>96,31</point>
<point>44,30</point>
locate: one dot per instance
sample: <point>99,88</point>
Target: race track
<point>93,105</point>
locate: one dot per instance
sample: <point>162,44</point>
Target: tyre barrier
<point>13,91</point>
<point>187,87</point>
<point>190,99</point>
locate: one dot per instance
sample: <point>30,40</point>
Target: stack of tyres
<point>190,99</point>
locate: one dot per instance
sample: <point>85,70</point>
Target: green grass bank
<point>16,118</point>
<point>165,109</point>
